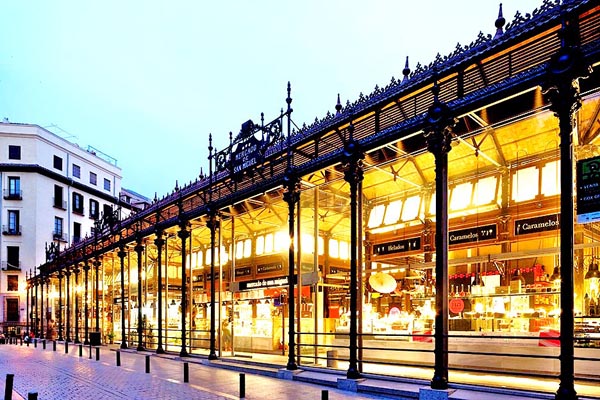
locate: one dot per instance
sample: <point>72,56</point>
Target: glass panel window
<point>344,250</point>
<point>551,178</point>
<point>525,184</point>
<point>77,203</point>
<point>58,163</point>
<point>247,248</point>
<point>260,245</point>
<point>76,171</point>
<point>93,178</point>
<point>93,209</point>
<point>461,196</point>
<point>14,187</point>
<point>239,251</point>
<point>224,254</point>
<point>410,210</point>
<point>13,222</point>
<point>58,226</point>
<point>392,212</point>
<point>106,184</point>
<point>14,152</point>
<point>321,246</point>
<point>268,243</point>
<point>485,191</point>
<point>308,243</point>
<point>12,257</point>
<point>281,241</point>
<point>12,283</point>
<point>376,216</point>
<point>334,248</point>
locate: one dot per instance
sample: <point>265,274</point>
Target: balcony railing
<point>12,194</point>
<point>58,203</point>
<point>11,230</point>
<point>8,266</point>
<point>59,236</point>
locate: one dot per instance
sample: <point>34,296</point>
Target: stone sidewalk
<point>57,375</point>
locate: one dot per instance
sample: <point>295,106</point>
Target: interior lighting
<point>593,272</point>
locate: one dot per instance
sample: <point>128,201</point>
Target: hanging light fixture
<point>593,271</point>
<point>517,276</point>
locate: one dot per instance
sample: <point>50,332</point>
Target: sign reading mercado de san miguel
<point>588,190</point>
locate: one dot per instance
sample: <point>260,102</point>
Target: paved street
<point>56,375</point>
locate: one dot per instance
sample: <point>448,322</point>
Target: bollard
<point>97,353</point>
<point>147,364</point>
<point>44,344</point>
<point>28,342</point>
<point>54,345</point>
<point>186,372</point>
<point>32,396</point>
<point>118,358</point>
<point>80,350</point>
<point>90,352</point>
<point>21,340</point>
<point>325,395</point>
<point>8,389</point>
<point>242,386</point>
<point>35,343</point>
<point>66,347</point>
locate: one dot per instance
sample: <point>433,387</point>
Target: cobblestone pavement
<point>56,375</point>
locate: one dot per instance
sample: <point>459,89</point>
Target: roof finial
<point>406,70</point>
<point>500,21</point>
<point>338,105</point>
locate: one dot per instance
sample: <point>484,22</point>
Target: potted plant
<point>111,337</point>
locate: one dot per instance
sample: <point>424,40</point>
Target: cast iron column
<point>438,142</point>
<point>27,300</point>
<point>43,314</point>
<point>68,309</point>
<point>97,264</point>
<point>86,269</point>
<point>213,225</point>
<point>352,159</point>
<point>60,306</point>
<point>138,249</point>
<point>48,314</point>
<point>121,254</point>
<point>76,272</point>
<point>159,242</point>
<point>291,196</point>
<point>36,325</point>
<point>562,89</point>
<point>183,235</point>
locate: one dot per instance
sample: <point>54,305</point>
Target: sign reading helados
<point>382,282</point>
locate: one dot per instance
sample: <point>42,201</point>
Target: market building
<point>445,222</point>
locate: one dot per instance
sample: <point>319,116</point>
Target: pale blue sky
<point>147,81</point>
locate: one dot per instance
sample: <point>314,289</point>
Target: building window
<point>12,309</point>
<point>14,152</point>
<point>76,232</point>
<point>58,228</point>
<point>94,209</point>
<point>76,171</point>
<point>13,223</point>
<point>77,203</point>
<point>58,163</point>
<point>107,210</point>
<point>93,178</point>
<point>58,197</point>
<point>13,283</point>
<point>12,258</point>
<point>14,188</point>
<point>106,184</point>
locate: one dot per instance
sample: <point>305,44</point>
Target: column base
<point>348,384</point>
<point>435,394</point>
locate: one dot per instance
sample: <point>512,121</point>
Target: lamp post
<point>183,234</point>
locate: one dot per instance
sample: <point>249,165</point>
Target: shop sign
<point>475,234</point>
<point>266,283</point>
<point>456,305</point>
<point>588,190</point>
<point>266,268</point>
<point>398,246</point>
<point>117,300</point>
<point>245,271</point>
<point>209,277</point>
<point>537,224</point>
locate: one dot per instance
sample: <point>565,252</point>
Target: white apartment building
<point>52,191</point>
